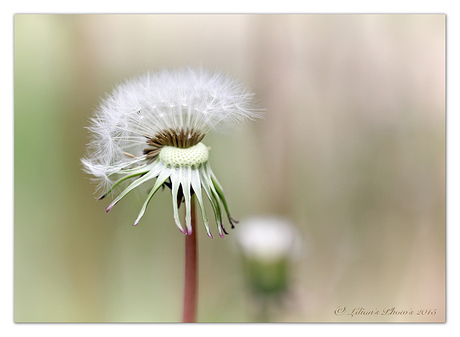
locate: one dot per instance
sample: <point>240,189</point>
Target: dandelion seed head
<point>141,108</point>
<point>151,127</point>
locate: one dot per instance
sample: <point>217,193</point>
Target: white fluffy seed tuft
<point>138,109</point>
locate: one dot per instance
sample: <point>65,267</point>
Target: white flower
<point>152,127</point>
<point>268,238</point>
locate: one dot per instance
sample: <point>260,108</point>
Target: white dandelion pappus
<point>151,128</point>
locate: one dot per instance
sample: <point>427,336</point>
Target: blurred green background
<point>352,150</point>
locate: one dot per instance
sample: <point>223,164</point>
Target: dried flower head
<point>152,127</point>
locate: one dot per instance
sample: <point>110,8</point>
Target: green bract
<point>185,171</point>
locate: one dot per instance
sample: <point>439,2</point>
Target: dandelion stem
<point>191,271</point>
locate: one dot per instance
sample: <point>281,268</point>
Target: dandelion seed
<point>151,128</point>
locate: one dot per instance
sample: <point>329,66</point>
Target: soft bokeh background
<point>351,150</point>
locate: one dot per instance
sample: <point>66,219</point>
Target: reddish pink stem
<point>191,272</point>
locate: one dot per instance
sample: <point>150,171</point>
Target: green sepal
<point>220,192</point>
<point>158,183</point>
<point>132,173</point>
<point>196,185</point>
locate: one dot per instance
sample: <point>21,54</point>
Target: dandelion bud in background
<point>267,246</point>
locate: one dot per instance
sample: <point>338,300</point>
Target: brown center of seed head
<point>182,138</point>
